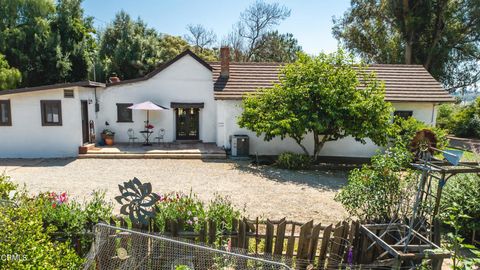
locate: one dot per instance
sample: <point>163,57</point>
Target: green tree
<point>276,47</point>
<point>47,42</point>
<point>320,95</point>
<point>129,48</point>
<point>9,77</point>
<point>442,35</point>
<point>26,39</point>
<point>75,36</point>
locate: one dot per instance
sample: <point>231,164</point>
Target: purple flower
<point>189,222</point>
<point>350,256</point>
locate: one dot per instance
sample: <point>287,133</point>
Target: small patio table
<point>146,134</point>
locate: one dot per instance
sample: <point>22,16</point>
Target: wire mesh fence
<point>120,248</point>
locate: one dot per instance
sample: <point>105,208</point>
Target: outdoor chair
<point>131,136</point>
<point>161,135</point>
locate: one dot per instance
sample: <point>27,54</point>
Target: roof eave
<point>51,87</point>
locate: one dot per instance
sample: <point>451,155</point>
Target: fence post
<point>303,242</point>
<point>280,239</point>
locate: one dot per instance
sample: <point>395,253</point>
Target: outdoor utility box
<point>240,146</point>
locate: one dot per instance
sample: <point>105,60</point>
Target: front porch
<point>175,150</point>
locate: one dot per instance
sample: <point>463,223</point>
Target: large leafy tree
<point>325,95</point>
<point>128,47</point>
<point>26,39</point>
<point>442,35</point>
<point>47,42</point>
<point>276,47</point>
<point>74,32</point>
<point>9,77</point>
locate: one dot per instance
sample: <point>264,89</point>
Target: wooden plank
<point>242,234</point>
<point>345,244</point>
<point>212,232</point>
<point>303,242</point>
<point>269,237</point>
<point>280,239</point>
<point>324,246</point>
<point>291,243</point>
<point>380,242</point>
<point>334,254</point>
<point>202,238</point>
<point>234,233</point>
<point>337,240</point>
<point>312,249</point>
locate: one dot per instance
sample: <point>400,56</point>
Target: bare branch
<point>200,37</point>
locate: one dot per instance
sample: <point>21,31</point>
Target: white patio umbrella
<point>147,106</point>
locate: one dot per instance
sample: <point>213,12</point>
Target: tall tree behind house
<point>442,35</point>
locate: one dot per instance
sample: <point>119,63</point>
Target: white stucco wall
<point>27,138</point>
<point>229,111</point>
<point>185,81</point>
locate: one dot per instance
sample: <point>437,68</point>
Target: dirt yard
<point>263,192</point>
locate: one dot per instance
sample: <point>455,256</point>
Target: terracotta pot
<point>109,139</point>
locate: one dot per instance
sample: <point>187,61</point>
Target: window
<point>124,114</point>
<point>403,114</point>
<point>51,112</point>
<point>5,113</point>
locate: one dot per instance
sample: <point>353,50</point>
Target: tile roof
<point>403,83</point>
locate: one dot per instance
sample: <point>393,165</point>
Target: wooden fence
<point>304,244</point>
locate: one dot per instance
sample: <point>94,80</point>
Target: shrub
<point>222,211</point>
<point>178,206</point>
<point>6,187</point>
<point>375,192</point>
<point>445,116</point>
<point>293,161</point>
<point>461,120</point>
<point>402,132</point>
<point>466,121</point>
<point>70,219</point>
<point>23,236</point>
<point>463,191</point>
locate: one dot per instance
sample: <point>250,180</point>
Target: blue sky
<point>310,21</point>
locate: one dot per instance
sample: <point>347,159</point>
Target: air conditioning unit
<point>239,145</point>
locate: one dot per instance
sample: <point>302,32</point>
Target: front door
<point>85,130</point>
<point>187,122</point>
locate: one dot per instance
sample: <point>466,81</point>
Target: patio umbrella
<point>147,106</point>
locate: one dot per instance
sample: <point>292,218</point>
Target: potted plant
<point>108,136</point>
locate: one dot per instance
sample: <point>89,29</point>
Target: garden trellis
<point>401,243</point>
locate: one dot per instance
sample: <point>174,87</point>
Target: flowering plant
<point>178,206</point>
<point>149,126</point>
<point>57,199</point>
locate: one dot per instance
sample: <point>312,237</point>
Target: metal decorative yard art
<point>137,200</point>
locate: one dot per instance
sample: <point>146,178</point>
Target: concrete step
<point>154,155</point>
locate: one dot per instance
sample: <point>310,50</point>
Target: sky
<point>310,21</point>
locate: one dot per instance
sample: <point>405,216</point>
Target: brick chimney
<point>113,78</point>
<point>225,62</point>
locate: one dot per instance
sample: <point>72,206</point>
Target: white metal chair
<point>131,136</point>
<point>161,135</point>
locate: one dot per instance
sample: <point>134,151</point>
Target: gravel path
<point>264,192</point>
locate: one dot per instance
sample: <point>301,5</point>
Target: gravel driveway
<point>264,192</point>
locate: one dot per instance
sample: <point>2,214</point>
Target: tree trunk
<point>439,21</point>
<point>408,33</point>
<point>318,144</point>
<point>299,142</point>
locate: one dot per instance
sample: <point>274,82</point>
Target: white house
<point>203,100</point>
